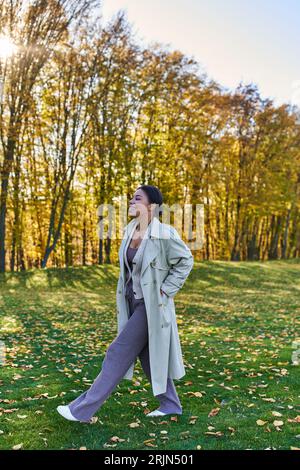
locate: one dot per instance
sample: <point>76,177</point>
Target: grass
<point>237,323</point>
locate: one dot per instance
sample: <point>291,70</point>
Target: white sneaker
<point>64,411</point>
<point>156,413</point>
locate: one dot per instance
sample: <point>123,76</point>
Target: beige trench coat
<point>166,263</point>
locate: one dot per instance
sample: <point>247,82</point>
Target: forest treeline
<point>88,114</point>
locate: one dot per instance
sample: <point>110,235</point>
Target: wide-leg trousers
<point>130,343</point>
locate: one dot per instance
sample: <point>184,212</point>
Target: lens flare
<point>7,47</point>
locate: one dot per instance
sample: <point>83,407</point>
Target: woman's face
<point>139,204</point>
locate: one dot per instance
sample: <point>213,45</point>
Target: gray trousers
<point>131,342</point>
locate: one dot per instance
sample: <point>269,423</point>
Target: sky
<point>248,41</point>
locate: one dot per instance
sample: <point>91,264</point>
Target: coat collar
<point>154,228</point>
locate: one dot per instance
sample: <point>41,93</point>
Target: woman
<point>154,264</point>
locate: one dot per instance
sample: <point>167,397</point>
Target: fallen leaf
<point>259,422</point>
<point>116,439</point>
<point>275,413</point>
<point>94,419</point>
<point>195,394</point>
<point>133,425</point>
<point>213,412</point>
<point>294,420</point>
<point>18,446</point>
<point>149,443</point>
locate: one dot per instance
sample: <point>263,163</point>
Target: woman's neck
<point>143,223</point>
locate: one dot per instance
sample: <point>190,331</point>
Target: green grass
<point>237,322</point>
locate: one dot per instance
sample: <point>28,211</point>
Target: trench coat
<point>166,263</point>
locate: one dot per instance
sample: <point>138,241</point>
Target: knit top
<point>131,252</point>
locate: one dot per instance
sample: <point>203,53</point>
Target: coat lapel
<point>148,249</point>
<point>126,238</point>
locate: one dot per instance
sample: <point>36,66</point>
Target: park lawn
<point>237,323</point>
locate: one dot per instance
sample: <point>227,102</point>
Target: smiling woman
<point>7,47</point>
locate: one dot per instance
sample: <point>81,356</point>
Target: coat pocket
<point>164,309</point>
<point>164,298</point>
<point>166,315</point>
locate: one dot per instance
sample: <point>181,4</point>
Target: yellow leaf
<point>259,422</point>
<point>149,443</point>
<point>133,425</point>
<point>278,423</point>
<point>275,413</point>
<point>217,433</point>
